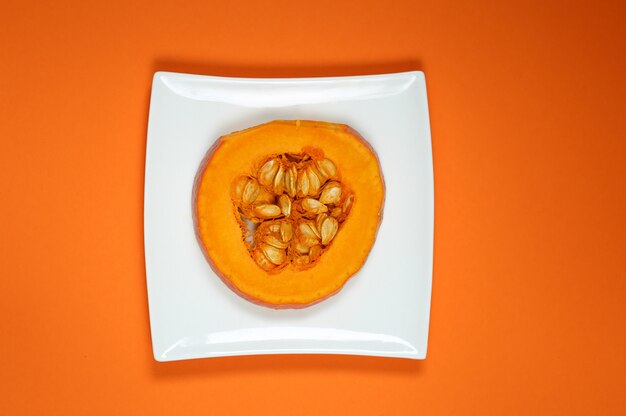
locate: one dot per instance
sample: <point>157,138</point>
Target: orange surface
<point>529,134</point>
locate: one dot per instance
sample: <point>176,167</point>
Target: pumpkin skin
<point>219,231</point>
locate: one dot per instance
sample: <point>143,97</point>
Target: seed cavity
<point>291,208</point>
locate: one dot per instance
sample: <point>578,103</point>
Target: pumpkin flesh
<point>219,226</point>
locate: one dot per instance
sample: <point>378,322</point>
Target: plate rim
<point>418,77</point>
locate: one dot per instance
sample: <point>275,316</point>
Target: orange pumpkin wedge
<point>286,212</point>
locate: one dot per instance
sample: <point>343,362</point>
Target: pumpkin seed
<point>319,220</point>
<point>274,228</point>
<point>273,254</point>
<point>265,197</point>
<point>290,181</point>
<point>262,260</point>
<point>318,172</point>
<point>238,188</point>
<point>303,183</point>
<point>314,181</point>
<point>267,211</point>
<point>331,193</point>
<point>314,206</point>
<point>267,172</point>
<point>279,183</point>
<point>274,242</point>
<point>315,252</point>
<point>329,230</point>
<point>327,168</point>
<point>285,205</point>
<point>347,204</point>
<point>286,231</point>
<point>302,248</point>
<point>308,230</point>
<point>250,191</point>
<point>308,241</point>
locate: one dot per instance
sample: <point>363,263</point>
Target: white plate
<point>383,311</point>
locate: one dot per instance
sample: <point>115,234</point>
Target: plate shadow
<point>284,71</point>
<point>306,363</point>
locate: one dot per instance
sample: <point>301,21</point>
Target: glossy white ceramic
<point>383,311</point>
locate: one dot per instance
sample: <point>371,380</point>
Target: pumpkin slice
<point>286,212</point>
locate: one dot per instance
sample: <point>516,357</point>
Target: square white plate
<point>382,311</point>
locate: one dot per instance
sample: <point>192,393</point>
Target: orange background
<point>529,135</point>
